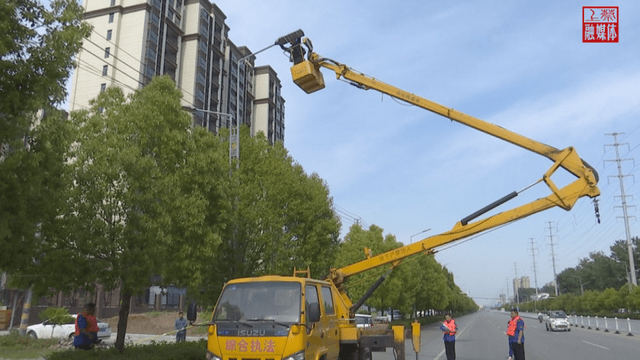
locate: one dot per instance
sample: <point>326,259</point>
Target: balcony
<point>173,42</point>
<point>201,79</point>
<point>202,46</point>
<point>202,63</point>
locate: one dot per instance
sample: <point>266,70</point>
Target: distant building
<point>134,40</point>
<point>521,283</point>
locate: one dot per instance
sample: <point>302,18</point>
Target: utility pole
<point>632,266</point>
<point>535,274</point>
<point>515,283</point>
<point>553,261</point>
<point>507,280</point>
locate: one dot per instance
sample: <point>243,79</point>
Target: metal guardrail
<point>622,325</point>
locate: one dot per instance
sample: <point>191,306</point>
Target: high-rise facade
<point>134,40</point>
<point>522,283</point>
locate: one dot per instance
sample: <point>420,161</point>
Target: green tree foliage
<point>432,290</point>
<point>36,56</point>
<point>592,302</point>
<point>632,300</point>
<point>279,217</point>
<point>419,282</point>
<point>55,315</point>
<point>352,250</point>
<point>526,293</point>
<point>620,251</point>
<point>147,193</point>
<point>598,271</point>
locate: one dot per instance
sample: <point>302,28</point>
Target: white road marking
<point>600,346</point>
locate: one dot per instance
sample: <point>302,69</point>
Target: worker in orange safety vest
<point>515,332</point>
<point>86,334</point>
<point>449,328</point>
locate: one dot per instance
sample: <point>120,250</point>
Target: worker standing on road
<point>509,343</point>
<point>515,332</point>
<point>449,328</point>
<point>181,327</point>
<point>86,334</point>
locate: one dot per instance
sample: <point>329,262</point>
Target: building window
<point>103,87</point>
<point>109,33</point>
<point>105,68</point>
<point>111,18</point>
<point>107,50</point>
<point>113,2</point>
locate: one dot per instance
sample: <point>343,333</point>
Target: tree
<point>147,194</point>
<point>633,299</point>
<point>526,293</point>
<point>279,218</point>
<point>432,284</point>
<point>352,250</point>
<point>601,271</point>
<point>571,279</point>
<point>620,250</point>
<point>36,57</point>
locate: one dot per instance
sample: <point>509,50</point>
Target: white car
<point>46,330</point>
<point>557,320</point>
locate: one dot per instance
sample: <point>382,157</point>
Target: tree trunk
<point>123,317</point>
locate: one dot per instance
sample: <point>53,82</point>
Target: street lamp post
<point>234,139</point>
<point>423,231</point>
<point>219,114</point>
<point>210,112</point>
<point>626,273</point>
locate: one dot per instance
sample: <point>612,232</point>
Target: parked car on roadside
<point>397,315</point>
<point>364,321</point>
<point>557,320</point>
<point>47,330</point>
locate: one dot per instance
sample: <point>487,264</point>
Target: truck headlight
<point>210,356</point>
<point>297,356</point>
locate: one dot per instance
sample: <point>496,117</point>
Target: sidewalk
<point>136,339</point>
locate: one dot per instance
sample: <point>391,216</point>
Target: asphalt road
<point>481,336</point>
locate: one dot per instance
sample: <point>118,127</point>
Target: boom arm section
<point>306,74</point>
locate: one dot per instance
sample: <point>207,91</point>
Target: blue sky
<point>521,65</point>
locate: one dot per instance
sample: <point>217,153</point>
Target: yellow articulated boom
<point>300,318</point>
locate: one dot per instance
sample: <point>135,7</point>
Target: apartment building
<point>521,283</point>
<point>134,40</point>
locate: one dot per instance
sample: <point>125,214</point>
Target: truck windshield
<point>254,301</point>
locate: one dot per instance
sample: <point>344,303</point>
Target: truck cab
<point>275,317</point>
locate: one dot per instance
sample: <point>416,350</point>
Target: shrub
<point>56,315</point>
<point>185,350</point>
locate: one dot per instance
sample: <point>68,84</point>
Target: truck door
<point>332,334</point>
<point>319,335</point>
